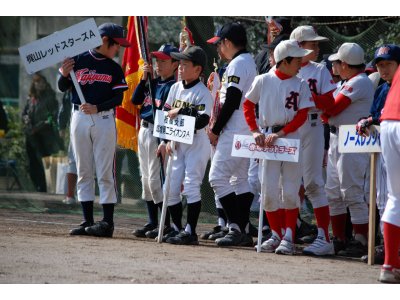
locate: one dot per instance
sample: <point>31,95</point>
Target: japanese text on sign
<point>351,142</point>
<point>179,129</point>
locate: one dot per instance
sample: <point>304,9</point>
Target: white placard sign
<point>282,150</point>
<point>54,48</point>
<point>351,142</point>
<point>180,129</point>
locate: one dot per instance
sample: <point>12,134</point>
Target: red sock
<point>361,229</point>
<point>323,219</point>
<point>274,220</point>
<point>339,226</point>
<point>283,220</point>
<point>291,220</point>
<point>391,236</point>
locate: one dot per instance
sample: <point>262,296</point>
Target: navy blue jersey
<point>100,78</point>
<point>379,102</point>
<point>141,96</point>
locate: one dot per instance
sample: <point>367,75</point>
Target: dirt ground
<point>36,248</point>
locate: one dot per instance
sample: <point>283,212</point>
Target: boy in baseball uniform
<point>284,100</point>
<point>188,97</point>
<point>347,172</point>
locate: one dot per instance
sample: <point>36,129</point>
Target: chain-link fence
<point>166,29</point>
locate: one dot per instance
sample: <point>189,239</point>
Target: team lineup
<point>282,93</point>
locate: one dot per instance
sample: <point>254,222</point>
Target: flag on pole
<point>127,114</point>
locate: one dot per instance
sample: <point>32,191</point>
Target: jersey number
<point>291,102</point>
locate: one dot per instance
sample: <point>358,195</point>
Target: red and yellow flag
<point>127,115</point>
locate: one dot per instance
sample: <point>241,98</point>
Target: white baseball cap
<point>289,48</point>
<point>306,33</point>
<point>350,53</point>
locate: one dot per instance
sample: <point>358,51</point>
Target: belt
<point>333,129</point>
<point>146,124</point>
<point>75,107</point>
<point>276,128</point>
<point>313,116</point>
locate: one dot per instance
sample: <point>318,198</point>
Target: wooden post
<point>372,209</point>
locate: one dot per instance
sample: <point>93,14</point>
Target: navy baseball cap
<point>234,32</point>
<point>115,32</point>
<point>165,52</point>
<point>387,52</point>
<point>192,53</point>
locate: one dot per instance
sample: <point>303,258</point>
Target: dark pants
<point>36,168</point>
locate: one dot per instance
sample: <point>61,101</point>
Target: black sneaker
<point>224,231</point>
<point>81,229</point>
<point>253,231</point>
<point>305,231</point>
<point>354,249</point>
<point>154,233</point>
<point>338,245</point>
<point>100,229</point>
<point>183,238</point>
<point>266,235</point>
<point>141,232</point>
<point>207,234</point>
<point>233,238</point>
<point>169,235</point>
<point>379,257</point>
<point>247,240</point>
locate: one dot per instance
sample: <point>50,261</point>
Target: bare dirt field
<point>36,248</point>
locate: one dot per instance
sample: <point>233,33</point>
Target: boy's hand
<point>169,149</point>
<point>161,150</point>
<point>213,137</point>
<point>146,70</point>
<point>173,113</point>
<point>67,66</point>
<point>259,138</point>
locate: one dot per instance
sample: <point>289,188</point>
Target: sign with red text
<point>282,150</point>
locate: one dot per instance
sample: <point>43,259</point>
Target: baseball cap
<point>234,32</point>
<point>192,53</point>
<point>277,40</point>
<point>289,48</point>
<point>165,51</point>
<point>350,53</point>
<point>387,52</point>
<point>115,32</point>
<point>306,33</point>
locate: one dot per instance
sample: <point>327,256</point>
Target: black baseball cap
<point>192,53</point>
<point>234,32</point>
<point>165,52</point>
<point>115,32</point>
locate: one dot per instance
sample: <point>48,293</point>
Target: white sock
<point>221,222</point>
<point>288,235</point>
<point>188,228</point>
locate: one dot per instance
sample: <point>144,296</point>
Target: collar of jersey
<point>305,64</point>
<point>190,85</point>
<point>281,75</point>
<point>239,52</point>
<point>166,80</point>
<point>97,55</point>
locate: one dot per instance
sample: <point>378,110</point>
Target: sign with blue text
<point>351,142</point>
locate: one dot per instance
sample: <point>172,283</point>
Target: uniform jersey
<point>317,77</point>
<point>99,77</point>
<point>279,100</point>
<point>239,74</point>
<point>379,102</point>
<point>360,90</point>
<point>391,110</point>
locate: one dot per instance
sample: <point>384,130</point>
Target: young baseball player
<point>322,87</point>
<point>347,172</point>
<point>387,60</point>
<point>284,100</point>
<point>390,139</point>
<point>93,132</point>
<point>188,97</point>
<point>148,144</point>
<point>228,175</point>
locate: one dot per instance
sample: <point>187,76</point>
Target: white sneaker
<point>270,245</point>
<point>286,248</point>
<point>69,200</point>
<point>319,247</point>
<point>389,274</point>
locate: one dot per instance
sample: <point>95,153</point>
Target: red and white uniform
<point>347,173</point>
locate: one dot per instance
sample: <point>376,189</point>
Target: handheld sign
<point>180,129</point>
<point>351,142</point>
<point>282,150</point>
<point>54,48</point>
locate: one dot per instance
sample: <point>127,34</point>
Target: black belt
<point>145,124</point>
<point>313,116</point>
<point>333,129</point>
<point>75,107</point>
<point>276,128</point>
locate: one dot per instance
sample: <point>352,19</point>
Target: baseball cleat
<point>141,232</point>
<point>320,247</point>
<point>270,245</point>
<point>233,238</point>
<point>81,229</point>
<point>154,233</point>
<point>224,231</point>
<point>207,234</point>
<point>286,248</point>
<point>100,229</point>
<point>183,238</point>
<point>354,249</point>
<point>389,274</point>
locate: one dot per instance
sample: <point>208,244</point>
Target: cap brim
<point>302,52</point>
<point>214,40</point>
<point>334,57</point>
<point>383,57</point>
<point>317,39</point>
<point>123,42</point>
<point>160,55</point>
<point>179,56</point>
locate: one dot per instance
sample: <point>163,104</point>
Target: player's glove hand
<point>362,126</point>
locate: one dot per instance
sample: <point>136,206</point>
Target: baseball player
<point>228,175</point>
<point>93,132</point>
<point>387,59</point>
<point>188,97</point>
<point>390,138</point>
<point>347,172</point>
<point>148,145</point>
<point>322,87</point>
<point>284,100</point>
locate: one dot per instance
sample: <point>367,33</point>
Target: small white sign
<point>54,48</point>
<point>180,129</point>
<point>282,150</point>
<point>351,142</point>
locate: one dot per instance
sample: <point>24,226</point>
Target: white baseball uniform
<point>189,161</point>
<point>347,174</point>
